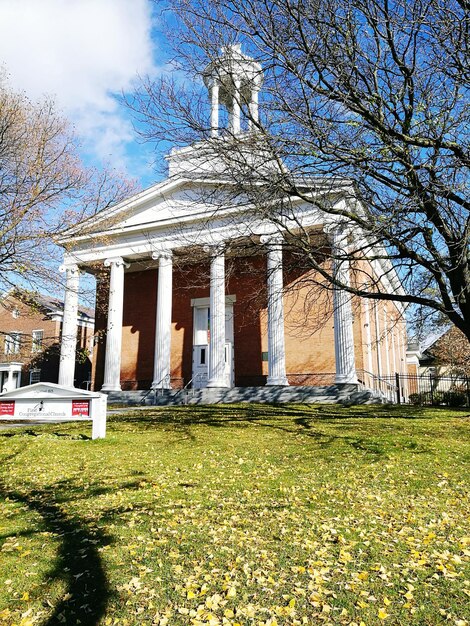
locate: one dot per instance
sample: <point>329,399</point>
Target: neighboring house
<point>446,353</point>
<point>439,369</point>
<point>188,304</point>
<point>413,354</point>
<point>30,334</point>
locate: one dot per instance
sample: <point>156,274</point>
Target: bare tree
<point>452,351</point>
<point>44,188</point>
<point>369,91</point>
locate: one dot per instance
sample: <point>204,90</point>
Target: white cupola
<point>233,80</point>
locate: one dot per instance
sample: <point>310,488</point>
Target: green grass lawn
<point>243,514</point>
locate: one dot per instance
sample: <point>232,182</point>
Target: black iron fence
<point>432,390</point>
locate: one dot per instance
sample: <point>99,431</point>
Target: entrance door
<point>201,340</point>
<point>200,365</point>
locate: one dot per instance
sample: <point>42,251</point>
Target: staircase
<point>333,394</point>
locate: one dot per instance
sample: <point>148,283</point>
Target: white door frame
<point>200,352</point>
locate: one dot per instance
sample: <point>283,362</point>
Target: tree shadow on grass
<point>293,420</point>
<point>78,560</point>
<point>223,414</point>
<point>40,431</point>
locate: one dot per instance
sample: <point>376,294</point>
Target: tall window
<point>12,343</point>
<point>36,345</point>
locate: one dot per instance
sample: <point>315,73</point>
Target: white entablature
<point>182,213</point>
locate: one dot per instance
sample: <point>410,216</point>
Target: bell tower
<point>233,80</point>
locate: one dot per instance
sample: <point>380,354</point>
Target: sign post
<point>48,402</point>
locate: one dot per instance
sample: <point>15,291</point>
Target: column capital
<point>69,267</point>
<point>272,239</point>
<point>162,254</point>
<point>117,261</point>
<point>215,249</point>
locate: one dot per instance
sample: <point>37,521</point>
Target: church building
<point>198,289</point>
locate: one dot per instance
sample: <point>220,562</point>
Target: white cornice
<point>126,205</point>
<point>192,217</point>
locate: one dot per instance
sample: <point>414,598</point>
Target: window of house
<point>15,313</point>
<point>12,343</point>
<point>34,376</point>
<point>36,345</point>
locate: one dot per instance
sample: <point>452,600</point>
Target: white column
<point>254,109</point>
<point>343,318</point>
<point>387,343</point>
<point>276,340</point>
<point>68,343</point>
<point>394,347</point>
<point>366,309</point>
<point>214,108</point>
<point>9,381</point>
<point>378,339</point>
<point>235,113</point>
<point>217,376</point>
<point>403,344</point>
<point>112,363</point>
<point>403,366</point>
<point>161,364</point>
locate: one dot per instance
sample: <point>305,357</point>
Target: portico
<point>213,318</point>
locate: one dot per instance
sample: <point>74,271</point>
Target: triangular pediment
<point>170,201</point>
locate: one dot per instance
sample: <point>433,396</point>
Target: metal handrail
<point>379,378</point>
<point>186,389</point>
<point>381,384</point>
<point>156,386</point>
<point>146,394</point>
<point>195,377</point>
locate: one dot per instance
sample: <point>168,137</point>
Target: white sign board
<point>48,402</point>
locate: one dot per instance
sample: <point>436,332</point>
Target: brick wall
<point>308,324</point>
<point>309,332</point>
<point>28,319</point>
<point>18,317</point>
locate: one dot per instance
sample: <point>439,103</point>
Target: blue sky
<point>83,53</point>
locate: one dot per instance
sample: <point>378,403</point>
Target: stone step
<point>344,394</point>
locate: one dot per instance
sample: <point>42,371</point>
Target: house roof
<point>47,303</point>
<point>431,339</point>
<point>55,304</point>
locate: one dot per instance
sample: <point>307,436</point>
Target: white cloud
<point>81,52</point>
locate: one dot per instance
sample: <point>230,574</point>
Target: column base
<point>158,386</point>
<point>221,384</point>
<point>346,379</point>
<point>277,382</point>
<point>111,388</point>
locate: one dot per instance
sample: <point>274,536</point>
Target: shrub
<point>455,398</point>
